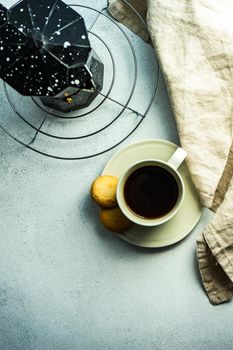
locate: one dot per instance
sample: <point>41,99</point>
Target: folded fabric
<point>193,40</point>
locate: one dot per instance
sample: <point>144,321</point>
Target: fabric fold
<point>193,40</point>
<point>126,14</point>
<point>218,286</point>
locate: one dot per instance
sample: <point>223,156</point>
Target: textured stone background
<point>66,283</point>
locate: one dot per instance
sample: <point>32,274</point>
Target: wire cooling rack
<point>116,113</point>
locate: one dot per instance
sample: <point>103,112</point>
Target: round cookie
<point>103,191</point>
<point>114,220</point>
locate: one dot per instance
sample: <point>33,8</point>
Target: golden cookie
<point>103,191</point>
<point>114,220</point>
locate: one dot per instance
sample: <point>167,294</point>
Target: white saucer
<point>190,212</point>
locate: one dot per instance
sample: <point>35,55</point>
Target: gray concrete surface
<point>68,284</point>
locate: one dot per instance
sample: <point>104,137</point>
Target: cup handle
<point>177,158</point>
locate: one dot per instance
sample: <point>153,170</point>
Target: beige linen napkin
<point>194,43</point>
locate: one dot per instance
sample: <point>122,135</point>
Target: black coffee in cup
<point>151,192</point>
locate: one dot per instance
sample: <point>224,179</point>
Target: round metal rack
<point>120,111</point>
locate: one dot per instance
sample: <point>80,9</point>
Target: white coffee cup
<point>170,166</point>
